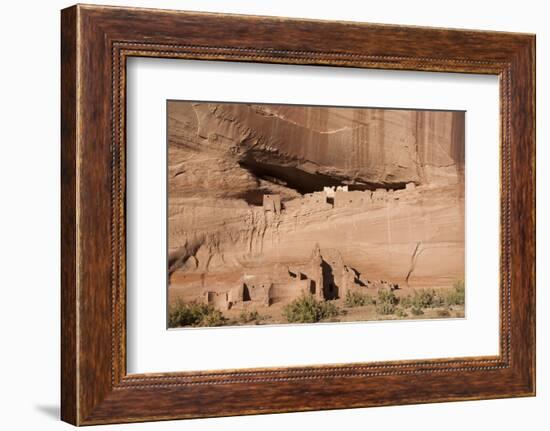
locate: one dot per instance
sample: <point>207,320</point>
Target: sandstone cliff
<point>223,158</point>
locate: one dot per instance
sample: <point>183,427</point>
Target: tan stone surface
<point>247,197</point>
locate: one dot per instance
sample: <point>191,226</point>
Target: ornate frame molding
<point>96,41</point>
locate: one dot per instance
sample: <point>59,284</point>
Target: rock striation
<point>253,189</point>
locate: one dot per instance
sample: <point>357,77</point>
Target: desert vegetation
<point>251,317</point>
<point>194,314</point>
<point>307,309</point>
<point>442,301</point>
<point>357,299</point>
<point>386,304</point>
<point>301,214</point>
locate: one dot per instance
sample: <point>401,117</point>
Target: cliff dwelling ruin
<point>270,204</point>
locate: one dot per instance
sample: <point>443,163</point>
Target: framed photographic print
<point>322,214</point>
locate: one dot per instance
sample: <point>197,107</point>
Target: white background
<point>29,227</point>
<point>151,348</point>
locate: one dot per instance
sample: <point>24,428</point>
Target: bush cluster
<point>386,302</point>
<point>358,299</point>
<point>194,314</point>
<point>457,296</point>
<point>307,309</point>
<point>431,298</point>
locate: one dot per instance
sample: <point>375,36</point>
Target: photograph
<point>290,214</point>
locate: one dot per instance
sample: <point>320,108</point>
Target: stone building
<point>317,200</point>
<point>219,300</point>
<point>410,186</point>
<point>324,275</point>
<point>344,199</point>
<point>380,195</point>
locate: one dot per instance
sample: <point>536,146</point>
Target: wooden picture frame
<point>95,43</point>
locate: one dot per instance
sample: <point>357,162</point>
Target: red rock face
<point>385,147</point>
<point>223,159</point>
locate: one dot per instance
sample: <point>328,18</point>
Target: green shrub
<point>457,295</point>
<point>423,298</point>
<point>213,318</point>
<point>430,298</point>
<point>194,314</point>
<point>307,309</point>
<point>386,302</point>
<point>406,301</point>
<point>439,300</point>
<point>385,308</point>
<point>357,299</point>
